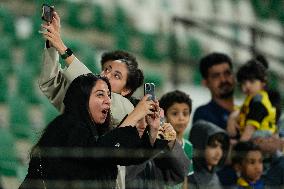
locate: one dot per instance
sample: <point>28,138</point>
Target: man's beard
<point>228,90</point>
<point>228,94</point>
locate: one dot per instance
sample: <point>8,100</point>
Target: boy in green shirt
<point>177,107</point>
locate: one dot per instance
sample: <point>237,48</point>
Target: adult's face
<point>220,81</point>
<point>116,71</point>
<point>99,103</point>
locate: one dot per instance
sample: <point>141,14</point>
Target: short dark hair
<point>241,149</point>
<point>176,96</point>
<point>213,59</point>
<point>252,70</point>
<point>135,76</point>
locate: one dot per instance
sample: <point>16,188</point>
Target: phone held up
<point>149,88</point>
<point>47,13</point>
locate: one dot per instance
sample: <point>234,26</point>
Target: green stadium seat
<point>6,49</point>
<point>8,157</point>
<point>26,84</point>
<point>157,79</point>
<point>48,110</point>
<point>19,117</point>
<point>194,49</point>
<point>197,79</point>
<point>99,21</point>
<point>149,47</point>
<point>3,87</point>
<point>79,15</point>
<point>121,30</point>
<point>7,22</point>
<point>33,49</point>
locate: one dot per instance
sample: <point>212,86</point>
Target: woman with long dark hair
<point>79,149</point>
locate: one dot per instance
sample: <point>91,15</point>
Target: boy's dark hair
<point>135,76</point>
<point>176,96</point>
<point>213,59</point>
<point>241,150</point>
<point>252,70</point>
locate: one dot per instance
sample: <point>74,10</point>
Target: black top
<point>74,152</point>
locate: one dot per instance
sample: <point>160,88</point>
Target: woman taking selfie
<point>79,149</point>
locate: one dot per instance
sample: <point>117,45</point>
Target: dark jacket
<point>74,152</point>
<point>200,133</point>
<point>166,168</point>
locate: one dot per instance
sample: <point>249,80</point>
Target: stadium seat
<point>49,111</point>
<point>194,49</point>
<point>3,87</point>
<point>33,49</point>
<point>7,22</point>
<point>26,83</point>
<point>8,156</point>
<point>81,15</point>
<point>155,78</point>
<point>121,30</point>
<point>6,49</point>
<point>99,21</point>
<point>19,117</point>
<point>149,47</point>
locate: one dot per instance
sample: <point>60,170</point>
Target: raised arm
<point>54,81</point>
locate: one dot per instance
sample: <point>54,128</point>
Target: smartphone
<point>47,13</point>
<point>149,88</point>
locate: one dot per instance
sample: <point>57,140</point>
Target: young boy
<point>257,113</point>
<point>247,159</point>
<point>177,109</point>
<point>211,144</point>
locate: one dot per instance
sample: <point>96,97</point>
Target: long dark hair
<point>76,103</point>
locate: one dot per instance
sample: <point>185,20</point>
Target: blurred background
<point>168,37</point>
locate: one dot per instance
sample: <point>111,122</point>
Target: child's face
<point>213,154</point>
<point>178,115</point>
<point>252,166</point>
<point>252,87</point>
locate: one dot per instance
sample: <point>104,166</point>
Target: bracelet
<point>68,52</point>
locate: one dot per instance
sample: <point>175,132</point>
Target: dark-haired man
<point>217,73</point>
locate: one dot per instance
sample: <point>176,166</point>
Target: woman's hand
<point>154,124</point>
<point>52,33</point>
<point>167,132</point>
<point>143,108</point>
